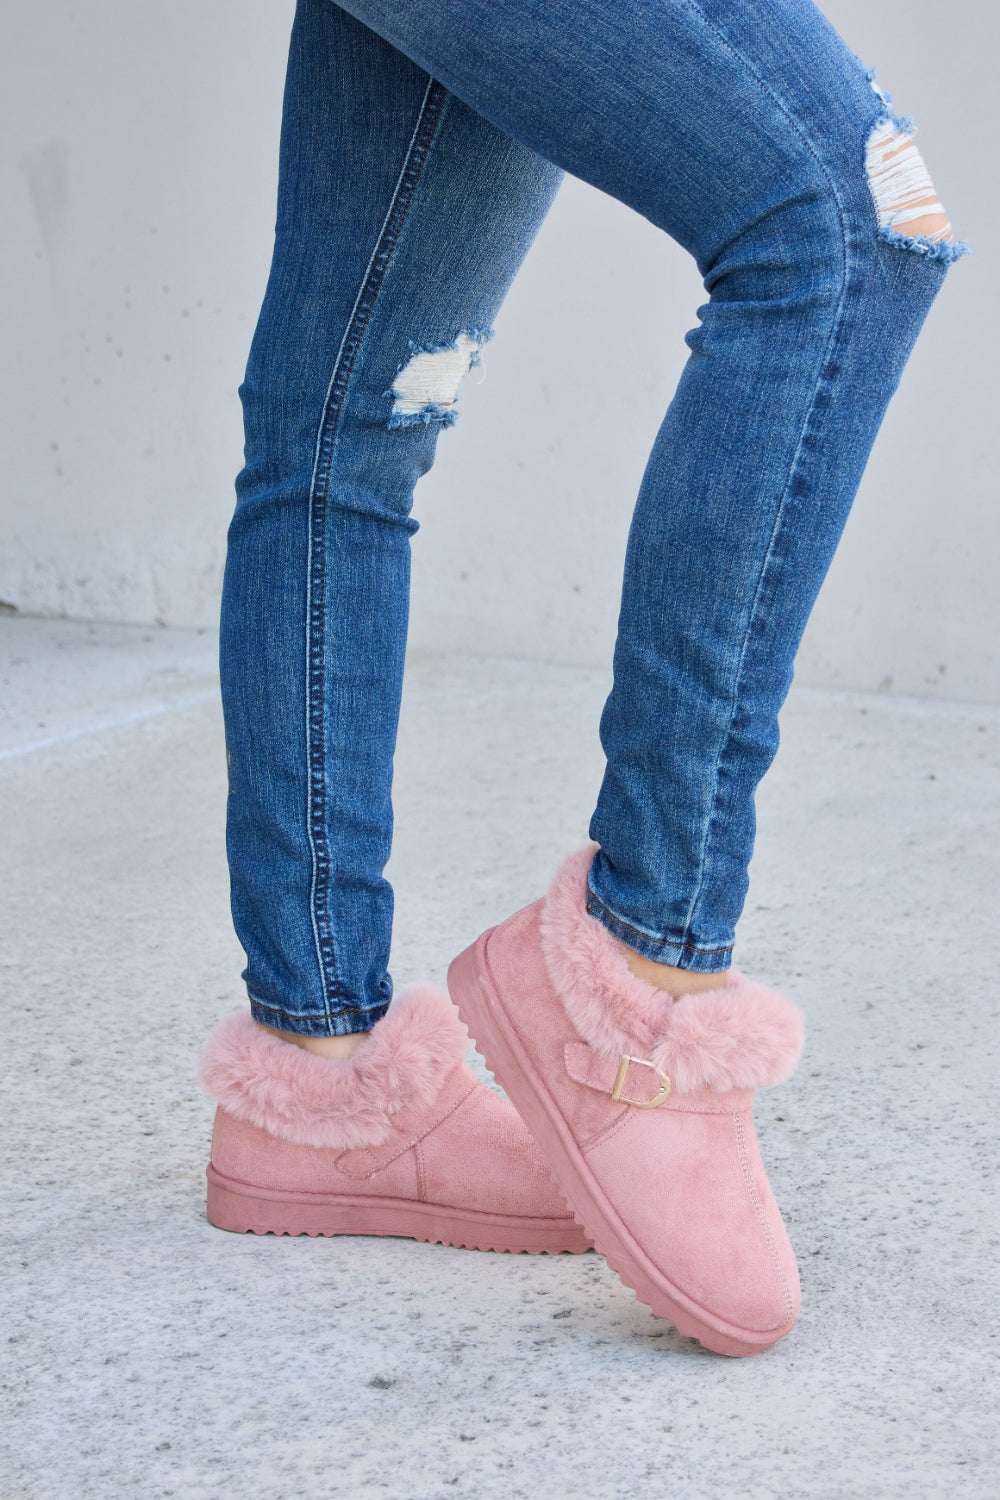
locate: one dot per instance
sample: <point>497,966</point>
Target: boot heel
<point>243,1214</point>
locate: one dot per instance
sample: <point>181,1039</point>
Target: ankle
<point>674,981</point>
<point>321,1046</point>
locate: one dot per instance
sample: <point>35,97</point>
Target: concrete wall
<point>138,167</point>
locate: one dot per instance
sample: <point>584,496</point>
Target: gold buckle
<point>643,1062</point>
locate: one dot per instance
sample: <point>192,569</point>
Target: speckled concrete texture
<point>146,1354</point>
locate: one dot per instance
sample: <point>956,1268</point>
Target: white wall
<point>138,165</point>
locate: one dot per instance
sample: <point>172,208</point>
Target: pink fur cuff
<point>741,1035</point>
<point>329,1102</point>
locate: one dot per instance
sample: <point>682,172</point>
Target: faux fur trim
<point>741,1035</point>
<point>329,1102</point>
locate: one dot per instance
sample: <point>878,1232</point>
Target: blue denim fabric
<point>421,148</point>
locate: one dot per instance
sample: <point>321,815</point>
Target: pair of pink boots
<point>639,1106</point>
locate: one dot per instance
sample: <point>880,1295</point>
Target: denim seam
<point>424,130</point>
<point>754,620</point>
<point>363,1012</point>
<point>612,921</point>
<point>835,326</point>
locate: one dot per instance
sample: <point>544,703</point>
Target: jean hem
<point>662,950</point>
<point>340,1023</point>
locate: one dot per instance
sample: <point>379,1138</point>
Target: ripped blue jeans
<point>421,148</point>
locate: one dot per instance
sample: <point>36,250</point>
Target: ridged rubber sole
<point>244,1209</point>
<point>479,1007</point>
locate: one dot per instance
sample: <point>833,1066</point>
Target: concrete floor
<point>147,1354</point>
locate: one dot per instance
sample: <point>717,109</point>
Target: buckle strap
<point>623,1070</point>
<point>612,1076</point>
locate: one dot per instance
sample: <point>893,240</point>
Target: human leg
<point>751,134</point>
<point>748,132</point>
<point>402,217</point>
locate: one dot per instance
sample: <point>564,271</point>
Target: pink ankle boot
<point>642,1106</point>
<point>400,1139</point>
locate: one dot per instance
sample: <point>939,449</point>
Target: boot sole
<point>244,1209</point>
<point>481,1010</point>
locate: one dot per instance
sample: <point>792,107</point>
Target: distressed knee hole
<point>906,202</point>
<point>901,186</point>
<point>426,386</point>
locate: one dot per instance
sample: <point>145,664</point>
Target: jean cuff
<point>666,950</point>
<point>339,1023</point>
